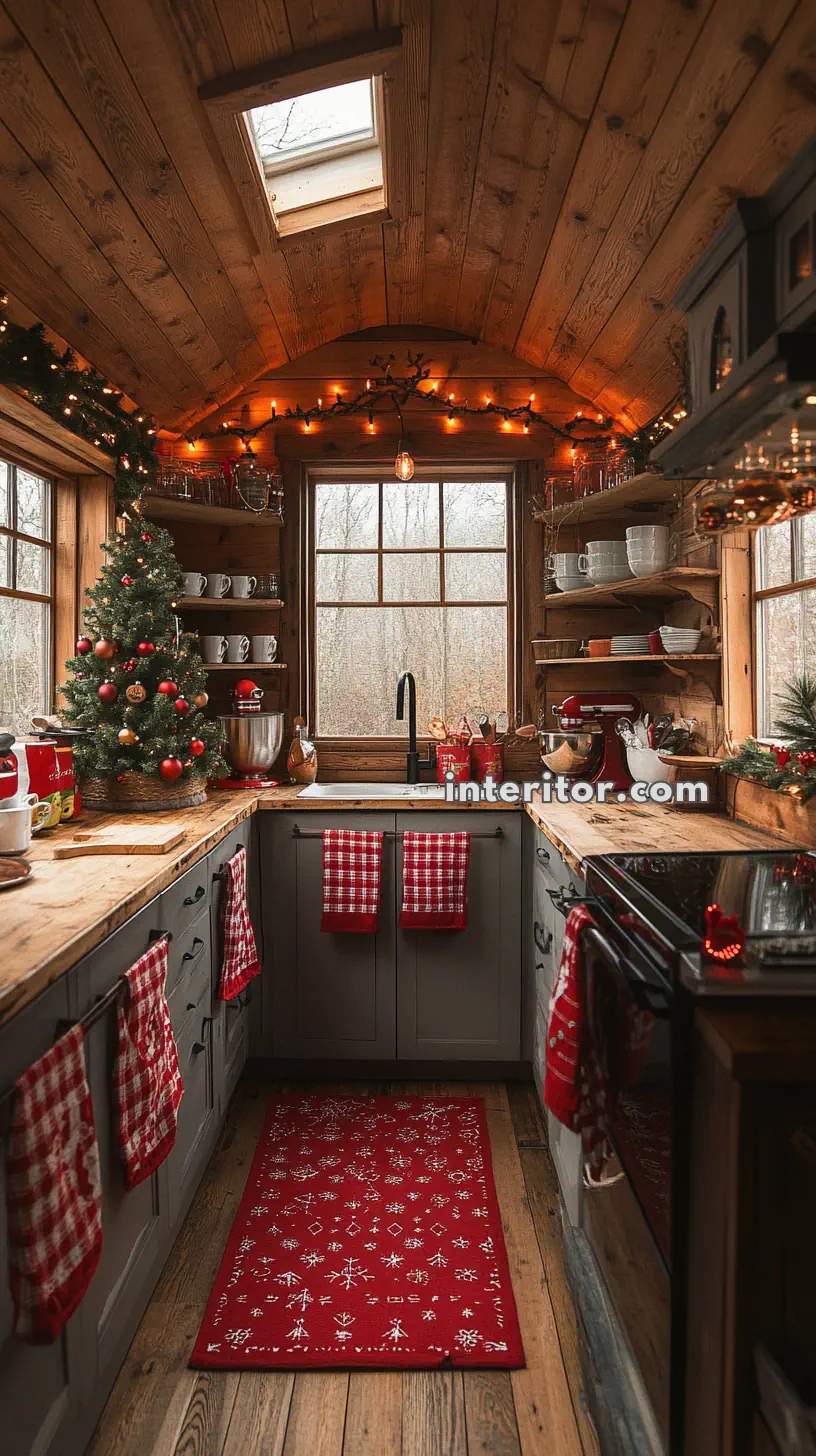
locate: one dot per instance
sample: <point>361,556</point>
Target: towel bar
<point>298,833</point>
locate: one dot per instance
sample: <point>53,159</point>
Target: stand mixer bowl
<point>252,742</point>
<point>576,754</point>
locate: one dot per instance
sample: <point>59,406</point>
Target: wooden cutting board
<point>122,839</point>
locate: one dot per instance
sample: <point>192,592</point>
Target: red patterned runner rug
<point>369,1234</point>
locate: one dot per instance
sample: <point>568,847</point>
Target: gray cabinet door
<point>228,1054</point>
<point>324,995</point>
<point>459,992</point>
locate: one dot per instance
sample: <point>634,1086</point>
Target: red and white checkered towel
<point>146,1078</point>
<point>240,964</point>
<point>352,861</point>
<point>54,1192</point>
<point>434,881</point>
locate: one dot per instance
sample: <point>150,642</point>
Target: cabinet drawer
<point>191,994</point>
<point>188,950</point>
<point>554,868</point>
<point>97,972</point>
<point>186,898</point>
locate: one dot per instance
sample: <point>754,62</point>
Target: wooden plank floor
<point>160,1408</point>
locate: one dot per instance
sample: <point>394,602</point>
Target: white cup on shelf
<point>217,584</point>
<point>213,647</point>
<point>264,648</point>
<point>237,647</point>
<point>243,586</point>
<point>194,583</point>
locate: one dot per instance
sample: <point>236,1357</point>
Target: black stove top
<point>765,903</point>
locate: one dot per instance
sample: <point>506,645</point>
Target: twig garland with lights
<point>387,391</point>
<point>80,399</point>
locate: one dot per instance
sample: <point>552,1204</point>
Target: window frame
<point>384,475</point>
<point>308,156</point>
<point>794,587</point>
<point>17,462</point>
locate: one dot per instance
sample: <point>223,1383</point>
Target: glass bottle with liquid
<point>302,760</point>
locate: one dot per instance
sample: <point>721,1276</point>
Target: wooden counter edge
<point>756,1043</point>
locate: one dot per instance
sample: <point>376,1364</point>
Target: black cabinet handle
<point>190,1006</point>
<point>543,941</point>
<point>159,935</point>
<point>543,855</point>
<point>193,899</point>
<point>221,873</point>
<point>191,955</point>
<point>197,1048</point>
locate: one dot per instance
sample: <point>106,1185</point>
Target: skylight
<point>321,155</point>
<point>305,125</point>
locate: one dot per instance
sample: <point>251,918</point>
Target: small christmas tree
<point>138,683</point>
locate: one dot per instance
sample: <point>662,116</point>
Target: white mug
<point>217,584</point>
<point>244,586</point>
<point>194,583</point>
<point>264,648</point>
<point>237,648</point>
<point>213,648</point>
<point>16,826</point>
<point>563,563</point>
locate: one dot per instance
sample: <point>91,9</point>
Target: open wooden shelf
<point>678,581</point>
<point>166,507</point>
<point>642,491</point>
<point>232,604</point>
<point>655,657</point>
<point>244,666</point>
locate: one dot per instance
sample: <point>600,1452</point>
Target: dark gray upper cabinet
<point>459,991</point>
<point>328,995</point>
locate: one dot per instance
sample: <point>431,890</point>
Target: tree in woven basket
<point>137,682</point>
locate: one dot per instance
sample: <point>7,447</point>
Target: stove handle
<point>646,993</point>
<point>542,937</point>
<point>565,900</point>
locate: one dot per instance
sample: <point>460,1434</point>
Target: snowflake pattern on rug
<point>369,1235</point>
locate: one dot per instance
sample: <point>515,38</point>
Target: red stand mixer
<point>586,745</point>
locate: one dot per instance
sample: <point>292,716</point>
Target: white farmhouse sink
<point>373,791</point>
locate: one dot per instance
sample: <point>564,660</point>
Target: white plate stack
<point>633,644</point>
<point>680,639</point>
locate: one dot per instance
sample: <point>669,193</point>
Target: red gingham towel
<point>352,860</point>
<point>146,1077</point>
<point>54,1192</point>
<point>434,881</point>
<point>240,964</point>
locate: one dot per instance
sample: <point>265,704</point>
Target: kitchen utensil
<point>217,584</point>
<point>243,586</point>
<point>600,646</point>
<point>573,753</point>
<point>625,730</point>
<point>252,742</point>
<point>437,730</point>
<point>17,824</point>
<point>237,647</point>
<point>551,648</point>
<point>264,647</point>
<point>213,647</point>
<point>13,872</point>
<point>122,839</point>
<point>527,730</point>
<point>661,726</point>
<point>194,583</point>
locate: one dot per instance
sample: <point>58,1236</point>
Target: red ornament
<point>103,648</point>
<point>168,688</point>
<point>807,759</point>
<point>145,649</point>
<point>197,747</point>
<point>127,581</point>
<point>146,536</point>
<point>182,707</point>
<point>84,645</point>
<point>171,768</point>
<point>130,665</point>
<point>108,692</point>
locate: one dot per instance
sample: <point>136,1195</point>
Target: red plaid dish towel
<point>53,1191</point>
<point>240,964</point>
<point>434,881</point>
<point>575,1088</point>
<point>146,1078</point>
<point>352,862</point>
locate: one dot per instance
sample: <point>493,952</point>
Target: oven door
<point>627,1200</point>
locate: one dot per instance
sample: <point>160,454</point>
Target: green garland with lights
<point>81,400</point>
<point>788,768</point>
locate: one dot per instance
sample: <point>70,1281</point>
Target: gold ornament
<point>136,693</point>
<point>201,700</point>
<point>127,736</point>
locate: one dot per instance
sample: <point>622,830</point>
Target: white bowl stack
<point>632,644</point>
<point>680,639</point>
<point>648,549</point>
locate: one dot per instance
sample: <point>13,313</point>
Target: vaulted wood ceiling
<point>557,167</point>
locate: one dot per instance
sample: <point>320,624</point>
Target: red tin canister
<point>488,760</point>
<point>455,758</point>
<point>44,775</point>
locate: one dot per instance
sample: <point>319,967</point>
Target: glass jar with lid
<point>258,485</point>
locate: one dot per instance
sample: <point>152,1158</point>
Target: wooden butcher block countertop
<point>69,906</point>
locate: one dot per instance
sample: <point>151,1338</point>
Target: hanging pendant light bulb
<point>404,464</point>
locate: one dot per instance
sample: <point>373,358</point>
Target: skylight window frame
<point>316,152</point>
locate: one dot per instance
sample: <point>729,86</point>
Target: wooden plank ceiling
<point>557,165</point>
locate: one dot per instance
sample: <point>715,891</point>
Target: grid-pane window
<point>409,576</point>
<point>26,573</point>
<point>785,595</point>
